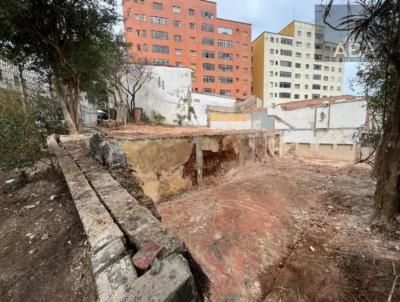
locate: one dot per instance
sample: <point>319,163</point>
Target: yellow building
<point>295,64</point>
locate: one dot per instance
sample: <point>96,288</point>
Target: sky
<point>272,16</point>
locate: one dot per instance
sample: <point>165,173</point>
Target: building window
<point>158,20</point>
<point>298,55</point>
<point>286,64</point>
<point>140,17</point>
<point>316,87</point>
<point>176,9</point>
<point>178,38</point>
<point>158,5</point>
<point>208,54</point>
<point>285,74</point>
<point>207,14</point>
<point>160,62</point>
<point>193,53</point>
<point>285,95</point>
<point>160,49</point>
<point>317,77</point>
<point>192,25</point>
<point>225,56</point>
<point>326,78</point>
<point>286,52</point>
<point>309,34</point>
<point>297,96</point>
<point>179,64</point>
<point>225,30</point>
<point>178,52</point>
<point>226,80</point>
<point>285,85</point>
<point>207,27</point>
<point>317,67</point>
<point>298,65</point>
<point>208,79</point>
<point>285,41</point>
<point>296,86</point>
<point>299,33</point>
<point>225,43</point>
<point>225,92</point>
<point>299,44</point>
<point>208,41</point>
<point>191,12</point>
<point>208,66</point>
<point>159,35</point>
<point>297,76</point>
<point>177,24</point>
<point>225,68</point>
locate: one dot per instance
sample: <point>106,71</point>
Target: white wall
<point>201,101</point>
<point>345,120</point>
<point>236,125</point>
<point>168,93</point>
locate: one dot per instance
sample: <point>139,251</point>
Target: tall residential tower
<point>187,33</point>
<point>296,64</point>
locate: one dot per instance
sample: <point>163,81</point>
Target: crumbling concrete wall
<point>170,165</point>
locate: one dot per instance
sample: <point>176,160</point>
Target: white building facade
<point>296,64</point>
<point>169,93</point>
<point>330,128</point>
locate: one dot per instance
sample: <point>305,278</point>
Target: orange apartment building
<point>187,33</point>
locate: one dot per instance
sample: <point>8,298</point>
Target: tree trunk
<point>120,107</point>
<point>73,129</point>
<point>387,194</point>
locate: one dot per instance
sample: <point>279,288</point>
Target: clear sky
<point>273,15</point>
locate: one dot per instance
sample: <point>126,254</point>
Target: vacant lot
<point>288,231</point>
<point>43,250</point>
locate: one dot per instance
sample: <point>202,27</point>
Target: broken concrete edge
<point>110,151</point>
<point>248,132</point>
<point>116,278</point>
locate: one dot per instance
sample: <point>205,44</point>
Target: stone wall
<point>134,257</point>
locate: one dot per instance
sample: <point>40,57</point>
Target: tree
<point>378,24</point>
<point>63,40</point>
<point>127,75</point>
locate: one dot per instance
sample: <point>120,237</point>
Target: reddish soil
<point>44,255</point>
<point>288,231</point>
<point>148,131</point>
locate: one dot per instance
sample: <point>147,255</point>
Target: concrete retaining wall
<point>170,165</point>
<point>117,228</point>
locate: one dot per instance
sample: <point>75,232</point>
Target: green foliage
<point>49,117</point>
<point>145,118</point>
<point>157,118</point>
<point>20,135</point>
<point>70,41</point>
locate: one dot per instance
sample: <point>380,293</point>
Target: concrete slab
<point>168,280</point>
<point>115,283</point>
<point>108,255</point>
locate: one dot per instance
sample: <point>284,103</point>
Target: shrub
<point>49,116</point>
<point>157,118</point>
<point>20,135</point>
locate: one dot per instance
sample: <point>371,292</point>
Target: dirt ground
<point>146,131</point>
<point>43,248</point>
<point>289,230</point>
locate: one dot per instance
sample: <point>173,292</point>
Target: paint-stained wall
<point>223,120</point>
